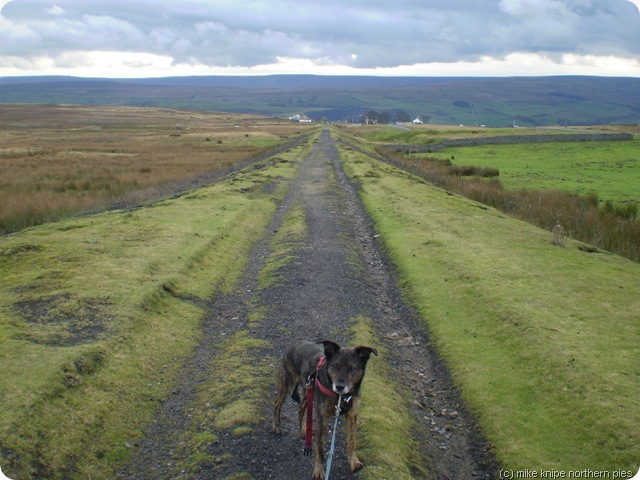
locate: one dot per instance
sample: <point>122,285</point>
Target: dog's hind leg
<point>284,390</point>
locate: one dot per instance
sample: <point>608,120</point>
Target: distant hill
<point>495,102</point>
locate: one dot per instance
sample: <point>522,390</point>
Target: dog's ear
<point>330,348</point>
<point>365,352</point>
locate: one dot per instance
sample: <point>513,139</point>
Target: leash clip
<point>310,380</point>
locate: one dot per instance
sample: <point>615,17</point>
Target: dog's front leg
<point>318,455</point>
<point>351,420</point>
<point>302,420</point>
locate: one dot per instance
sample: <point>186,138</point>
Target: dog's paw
<point>355,464</point>
<point>318,473</point>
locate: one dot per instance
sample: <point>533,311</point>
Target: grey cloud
<point>375,33</point>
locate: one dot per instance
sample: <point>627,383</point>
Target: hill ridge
<point>490,101</point>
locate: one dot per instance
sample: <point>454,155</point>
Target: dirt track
<point>339,273</point>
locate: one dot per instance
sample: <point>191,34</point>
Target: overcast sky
<point>150,38</point>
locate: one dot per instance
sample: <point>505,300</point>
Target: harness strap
<point>323,389</point>
<point>340,408</point>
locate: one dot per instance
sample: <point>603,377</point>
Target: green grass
<point>384,418</point>
<point>541,339</point>
<point>283,245</point>
<point>607,168</point>
<point>98,312</point>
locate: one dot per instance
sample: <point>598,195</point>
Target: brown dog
<point>340,374</point>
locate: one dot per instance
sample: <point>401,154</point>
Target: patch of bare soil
<point>62,320</point>
<point>339,273</point>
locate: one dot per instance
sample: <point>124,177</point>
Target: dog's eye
<point>352,368</point>
<point>336,366</point>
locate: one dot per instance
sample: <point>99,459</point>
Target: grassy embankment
<point>57,161</point>
<point>97,313</point>
<point>541,339</point>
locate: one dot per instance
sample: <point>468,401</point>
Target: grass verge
<point>541,339</point>
<point>386,450</point>
<point>97,314</point>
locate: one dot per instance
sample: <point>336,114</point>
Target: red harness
<point>322,388</point>
<point>310,386</point>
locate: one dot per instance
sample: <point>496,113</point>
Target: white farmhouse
<point>300,118</point>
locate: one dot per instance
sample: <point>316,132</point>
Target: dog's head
<point>346,366</point>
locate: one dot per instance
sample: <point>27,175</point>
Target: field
<point>583,215</point>
<point>61,160</point>
<point>428,134</point>
<point>611,169</point>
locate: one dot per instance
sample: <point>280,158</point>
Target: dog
<point>340,373</point>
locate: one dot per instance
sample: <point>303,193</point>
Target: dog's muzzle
<point>341,389</point>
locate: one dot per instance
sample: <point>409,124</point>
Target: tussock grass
<point>541,340</point>
<point>126,287</point>
<point>56,161</point>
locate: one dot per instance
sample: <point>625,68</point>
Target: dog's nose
<point>339,388</point>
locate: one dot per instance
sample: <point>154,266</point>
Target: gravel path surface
<point>339,273</point>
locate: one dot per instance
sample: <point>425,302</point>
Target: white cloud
<point>55,10</point>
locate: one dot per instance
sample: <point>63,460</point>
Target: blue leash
<point>333,440</point>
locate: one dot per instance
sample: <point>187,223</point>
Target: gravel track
<point>340,272</point>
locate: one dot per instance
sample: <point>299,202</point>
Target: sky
<point>145,38</point>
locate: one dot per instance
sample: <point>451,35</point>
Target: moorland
<point>58,160</point>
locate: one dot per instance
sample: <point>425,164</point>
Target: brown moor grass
<point>615,229</point>
<point>57,161</point>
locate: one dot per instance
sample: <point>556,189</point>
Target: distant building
<point>301,118</point>
<point>417,121</point>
